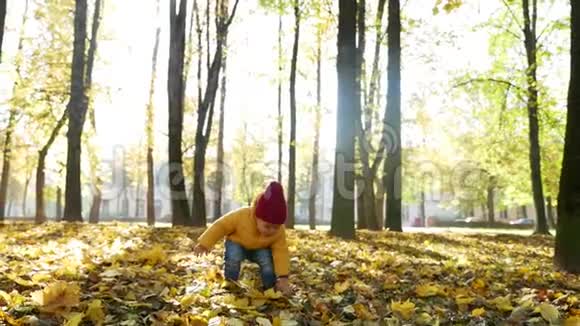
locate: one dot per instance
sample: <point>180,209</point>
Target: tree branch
<point>486,80</point>
<point>512,13</point>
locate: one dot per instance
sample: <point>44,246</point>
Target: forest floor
<point>128,274</point>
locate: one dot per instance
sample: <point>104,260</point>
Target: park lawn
<point>129,274</point>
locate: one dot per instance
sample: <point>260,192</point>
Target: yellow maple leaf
<point>502,303</point>
<point>362,312</point>
<point>56,296</point>
<point>154,255</point>
<point>20,281</point>
<point>428,290</point>
<point>463,300</point>
<point>6,297</point>
<point>74,319</point>
<point>95,312</point>
<point>478,284</point>
<point>38,278</point>
<point>405,309</point>
<point>424,319</point>
<point>549,313</point>
<point>272,294</point>
<point>478,312</point>
<point>341,287</point>
<point>187,300</point>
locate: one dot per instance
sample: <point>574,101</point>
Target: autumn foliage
<point>122,274</point>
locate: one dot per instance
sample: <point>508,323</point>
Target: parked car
<point>522,221</point>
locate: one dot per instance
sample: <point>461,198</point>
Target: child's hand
<point>283,286</point>
<point>199,250</point>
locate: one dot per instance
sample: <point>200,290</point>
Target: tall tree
<point>393,163</point>
<point>292,143</point>
<point>2,24</point>
<point>77,112</point>
<point>149,127</point>
<point>567,252</point>
<point>491,186</point>
<point>12,118</point>
<point>93,156</point>
<point>530,42</point>
<point>40,215</point>
<point>279,78</point>
<point>317,122</point>
<point>205,112</point>
<point>220,147</point>
<point>342,223</point>
<point>176,94</point>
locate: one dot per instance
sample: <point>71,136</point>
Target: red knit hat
<point>271,205</point>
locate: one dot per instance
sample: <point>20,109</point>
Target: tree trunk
<point>361,219</point>
<point>205,115</point>
<point>379,206</point>
<point>567,252</point>
<point>292,145</point>
<point>524,210</point>
<point>137,199</point>
<point>207,32</point>
<point>393,163</point>
<point>25,194</point>
<point>150,125</point>
<point>280,117</point>
<point>367,186</point>
<point>530,43</point>
<point>6,162</point>
<point>371,105</point>
<point>199,52</point>
<point>490,201</point>
<point>551,218</point>
<point>77,113</point>
<point>220,149</point>
<point>58,204</point>
<point>342,223</point>
<point>423,210</point>
<point>176,94</point>
<point>40,216</point>
<point>96,202</point>
<point>7,151</point>
<point>2,24</point>
<point>316,148</point>
<point>504,214</point>
<point>95,212</point>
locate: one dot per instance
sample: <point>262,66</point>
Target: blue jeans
<point>234,256</point>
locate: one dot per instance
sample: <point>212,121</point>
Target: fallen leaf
<point>405,309</point>
<point>74,319</point>
<point>549,313</point>
<point>263,321</point>
<point>96,312</point>
<point>502,303</point>
<point>341,287</point>
<point>56,296</point>
<point>428,290</point>
<point>478,312</point>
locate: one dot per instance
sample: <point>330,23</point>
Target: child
<point>255,233</point>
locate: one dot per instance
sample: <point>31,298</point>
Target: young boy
<point>255,233</point>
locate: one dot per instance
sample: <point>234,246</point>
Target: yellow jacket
<point>240,226</point>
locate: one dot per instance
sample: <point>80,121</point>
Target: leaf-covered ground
<point>122,274</point>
